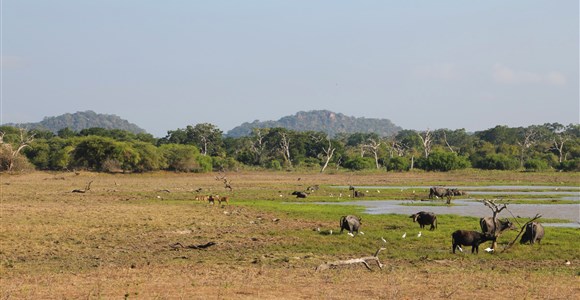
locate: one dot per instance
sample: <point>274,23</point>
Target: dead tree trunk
<point>374,145</point>
<point>25,141</point>
<point>362,260</point>
<point>496,210</point>
<point>86,189</point>
<point>285,148</point>
<point>427,141</point>
<point>328,153</point>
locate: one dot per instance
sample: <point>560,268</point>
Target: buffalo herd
<point>440,192</point>
<point>490,229</point>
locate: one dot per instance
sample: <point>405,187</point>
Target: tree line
<point>203,148</point>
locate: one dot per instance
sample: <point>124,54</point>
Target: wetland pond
<point>473,208</point>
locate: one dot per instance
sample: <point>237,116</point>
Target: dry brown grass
<point>114,242</point>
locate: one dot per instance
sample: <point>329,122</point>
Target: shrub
<point>570,165</point>
<point>274,164</point>
<point>359,163</point>
<point>443,161</point>
<point>498,162</point>
<point>398,163</point>
<point>536,165</point>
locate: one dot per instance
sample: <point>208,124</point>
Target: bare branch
<point>362,260</point>
<point>521,231</point>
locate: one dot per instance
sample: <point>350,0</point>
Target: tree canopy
<point>203,147</point>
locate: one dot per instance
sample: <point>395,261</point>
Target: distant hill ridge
<point>81,120</point>
<point>322,120</point>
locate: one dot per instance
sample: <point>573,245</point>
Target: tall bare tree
<point>447,142</point>
<point>258,143</point>
<point>495,210</point>
<point>25,140</point>
<point>426,140</point>
<point>528,139</point>
<point>285,147</point>
<point>373,145</point>
<point>559,136</point>
<point>327,150</point>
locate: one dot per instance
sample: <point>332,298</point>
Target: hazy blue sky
<point>164,65</point>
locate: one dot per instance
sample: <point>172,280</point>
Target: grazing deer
<point>211,198</point>
<point>223,199</point>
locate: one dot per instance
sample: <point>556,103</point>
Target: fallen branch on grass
<point>178,245</point>
<point>87,188</point>
<point>362,260</point>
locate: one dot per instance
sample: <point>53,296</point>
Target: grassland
<point>115,241</point>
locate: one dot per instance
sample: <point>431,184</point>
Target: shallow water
<point>484,187</point>
<point>473,209</point>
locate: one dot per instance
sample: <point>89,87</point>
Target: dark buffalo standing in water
<point>425,218</point>
<point>470,238</point>
<point>487,225</point>
<point>438,192</point>
<point>300,194</point>
<point>350,223</point>
<point>455,192</point>
<point>534,233</point>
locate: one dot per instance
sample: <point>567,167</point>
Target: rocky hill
<point>82,120</point>
<point>324,121</point>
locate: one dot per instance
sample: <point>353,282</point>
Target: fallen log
<point>178,245</point>
<point>87,188</point>
<point>362,260</point>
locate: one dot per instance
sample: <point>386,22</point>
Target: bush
<point>536,165</point>
<point>359,163</point>
<point>398,163</point>
<point>185,158</point>
<point>221,163</point>
<point>274,164</point>
<point>570,165</point>
<point>19,162</point>
<point>443,161</point>
<point>498,162</point>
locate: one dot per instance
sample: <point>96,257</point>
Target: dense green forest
<point>203,148</point>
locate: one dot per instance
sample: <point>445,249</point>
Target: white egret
<point>351,234</point>
<point>404,235</point>
<point>419,234</point>
<point>488,249</point>
<point>385,241</point>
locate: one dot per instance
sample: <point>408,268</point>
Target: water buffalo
<point>438,192</point>
<point>425,218</point>
<point>487,225</point>
<point>358,194</point>
<point>534,232</point>
<point>455,192</point>
<point>470,238</point>
<point>299,194</point>
<point>350,223</point>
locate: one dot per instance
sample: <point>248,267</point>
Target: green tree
<point>443,161</point>
<point>185,158</point>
